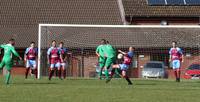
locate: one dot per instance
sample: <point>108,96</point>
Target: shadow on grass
<point>150,84</point>
<point>29,83</point>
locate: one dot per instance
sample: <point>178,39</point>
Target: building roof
<point>20,18</point>
<point>140,8</point>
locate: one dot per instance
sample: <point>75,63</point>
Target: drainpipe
<point>122,12</point>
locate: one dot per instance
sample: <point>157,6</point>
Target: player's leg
<point>178,70</point>
<point>114,69</point>
<point>8,66</point>
<point>106,71</point>
<point>35,72</point>
<point>101,65</point>
<point>124,68</point>
<point>175,65</point>
<point>178,75</point>
<point>8,75</point>
<point>174,69</point>
<point>34,68</point>
<point>2,64</point>
<point>108,63</point>
<point>59,69</point>
<point>27,68</point>
<point>51,70</point>
<point>63,70</point>
<point>126,77</point>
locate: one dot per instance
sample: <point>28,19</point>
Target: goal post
<point>138,36</point>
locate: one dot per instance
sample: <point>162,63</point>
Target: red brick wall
<point>89,69</point>
<point>90,61</point>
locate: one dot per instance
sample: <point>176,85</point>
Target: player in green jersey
<point>101,56</point>
<point>7,60</point>
<point>110,54</point>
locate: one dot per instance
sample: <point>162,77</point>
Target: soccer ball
<point>119,56</point>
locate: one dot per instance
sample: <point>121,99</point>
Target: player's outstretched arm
<point>16,54</point>
<point>170,58</point>
<point>182,58</point>
<point>61,58</point>
<point>124,53</point>
<point>25,54</point>
<point>2,45</point>
<point>48,55</point>
<point>98,54</point>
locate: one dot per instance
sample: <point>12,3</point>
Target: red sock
<point>127,79</point>
<point>178,73</point>
<point>175,73</point>
<point>35,73</point>
<point>112,73</point>
<point>51,74</point>
<point>59,73</point>
<point>26,73</point>
<point>64,73</point>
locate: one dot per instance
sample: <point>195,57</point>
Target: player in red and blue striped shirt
<point>63,59</point>
<point>54,59</point>
<point>176,57</point>
<point>30,59</point>
<point>123,67</point>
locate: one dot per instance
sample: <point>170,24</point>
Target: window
<point>194,67</point>
<point>156,2</point>
<point>173,2</point>
<point>154,65</point>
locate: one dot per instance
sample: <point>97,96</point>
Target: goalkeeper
<point>110,54</point>
<point>101,56</point>
<point>7,60</point>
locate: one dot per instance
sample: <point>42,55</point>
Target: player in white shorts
<point>176,57</point>
<point>63,52</point>
<point>54,56</point>
<point>30,59</point>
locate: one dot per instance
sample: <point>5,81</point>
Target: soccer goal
<point>150,42</point>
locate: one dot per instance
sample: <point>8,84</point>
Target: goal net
<point>151,43</point>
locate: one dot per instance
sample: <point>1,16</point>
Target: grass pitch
<point>94,90</point>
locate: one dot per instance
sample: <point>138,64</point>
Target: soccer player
<point>63,52</point>
<point>176,57</point>
<point>110,55</point>
<point>7,60</point>
<point>54,57</point>
<point>122,68</point>
<point>101,56</point>
<point>30,59</point>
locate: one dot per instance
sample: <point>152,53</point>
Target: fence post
<point>82,62</point>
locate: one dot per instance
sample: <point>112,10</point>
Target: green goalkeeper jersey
<point>9,50</point>
<point>109,51</point>
<point>100,50</point>
<point>7,61</point>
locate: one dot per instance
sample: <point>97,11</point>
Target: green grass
<point>93,90</point>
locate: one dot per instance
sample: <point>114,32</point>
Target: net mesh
<point>151,44</point>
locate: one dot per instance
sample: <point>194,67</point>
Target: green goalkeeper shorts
<point>110,61</point>
<point>102,62</point>
<point>7,64</point>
